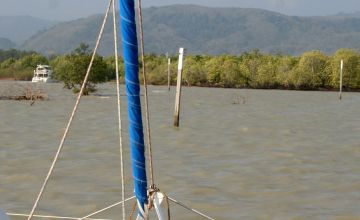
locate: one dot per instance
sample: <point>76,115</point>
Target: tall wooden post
<point>341,78</point>
<point>178,88</point>
<point>169,63</point>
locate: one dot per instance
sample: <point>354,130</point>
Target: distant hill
<point>66,36</point>
<point>204,30</point>
<point>20,28</point>
<point>354,14</point>
<point>6,44</point>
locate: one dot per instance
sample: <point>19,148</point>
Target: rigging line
<point>146,95</point>
<point>51,216</point>
<point>107,208</point>
<point>133,210</point>
<point>72,114</point>
<point>119,110</point>
<point>190,209</point>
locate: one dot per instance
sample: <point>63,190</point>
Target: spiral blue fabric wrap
<point>130,46</point>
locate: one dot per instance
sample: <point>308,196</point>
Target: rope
<point>133,210</point>
<point>106,208</point>
<point>119,110</point>
<point>72,115</point>
<point>190,209</point>
<point>168,206</point>
<point>146,95</point>
<point>51,216</point>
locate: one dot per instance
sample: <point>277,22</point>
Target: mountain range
<point>6,43</point>
<point>20,28</point>
<point>204,30</point>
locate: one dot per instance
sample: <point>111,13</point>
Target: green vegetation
<point>13,54</point>
<point>71,69</point>
<point>19,65</point>
<point>314,70</point>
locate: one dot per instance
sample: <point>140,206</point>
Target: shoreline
<point>8,79</point>
<point>223,87</point>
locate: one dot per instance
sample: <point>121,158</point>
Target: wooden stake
<point>341,78</point>
<point>178,88</point>
<point>169,62</point>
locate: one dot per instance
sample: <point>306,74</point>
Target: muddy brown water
<point>238,154</point>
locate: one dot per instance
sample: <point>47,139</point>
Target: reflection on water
<point>238,154</point>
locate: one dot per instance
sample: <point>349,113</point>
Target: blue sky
<point>72,9</point>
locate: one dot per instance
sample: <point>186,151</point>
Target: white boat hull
<point>41,79</point>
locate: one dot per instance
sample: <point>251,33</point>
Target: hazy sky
<point>71,9</point>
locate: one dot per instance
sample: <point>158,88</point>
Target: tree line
<point>313,70</point>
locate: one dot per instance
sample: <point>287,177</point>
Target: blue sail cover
<point>130,46</point>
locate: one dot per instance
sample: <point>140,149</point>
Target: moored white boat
<point>42,73</point>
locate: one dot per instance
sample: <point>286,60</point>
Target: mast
<point>130,46</point>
